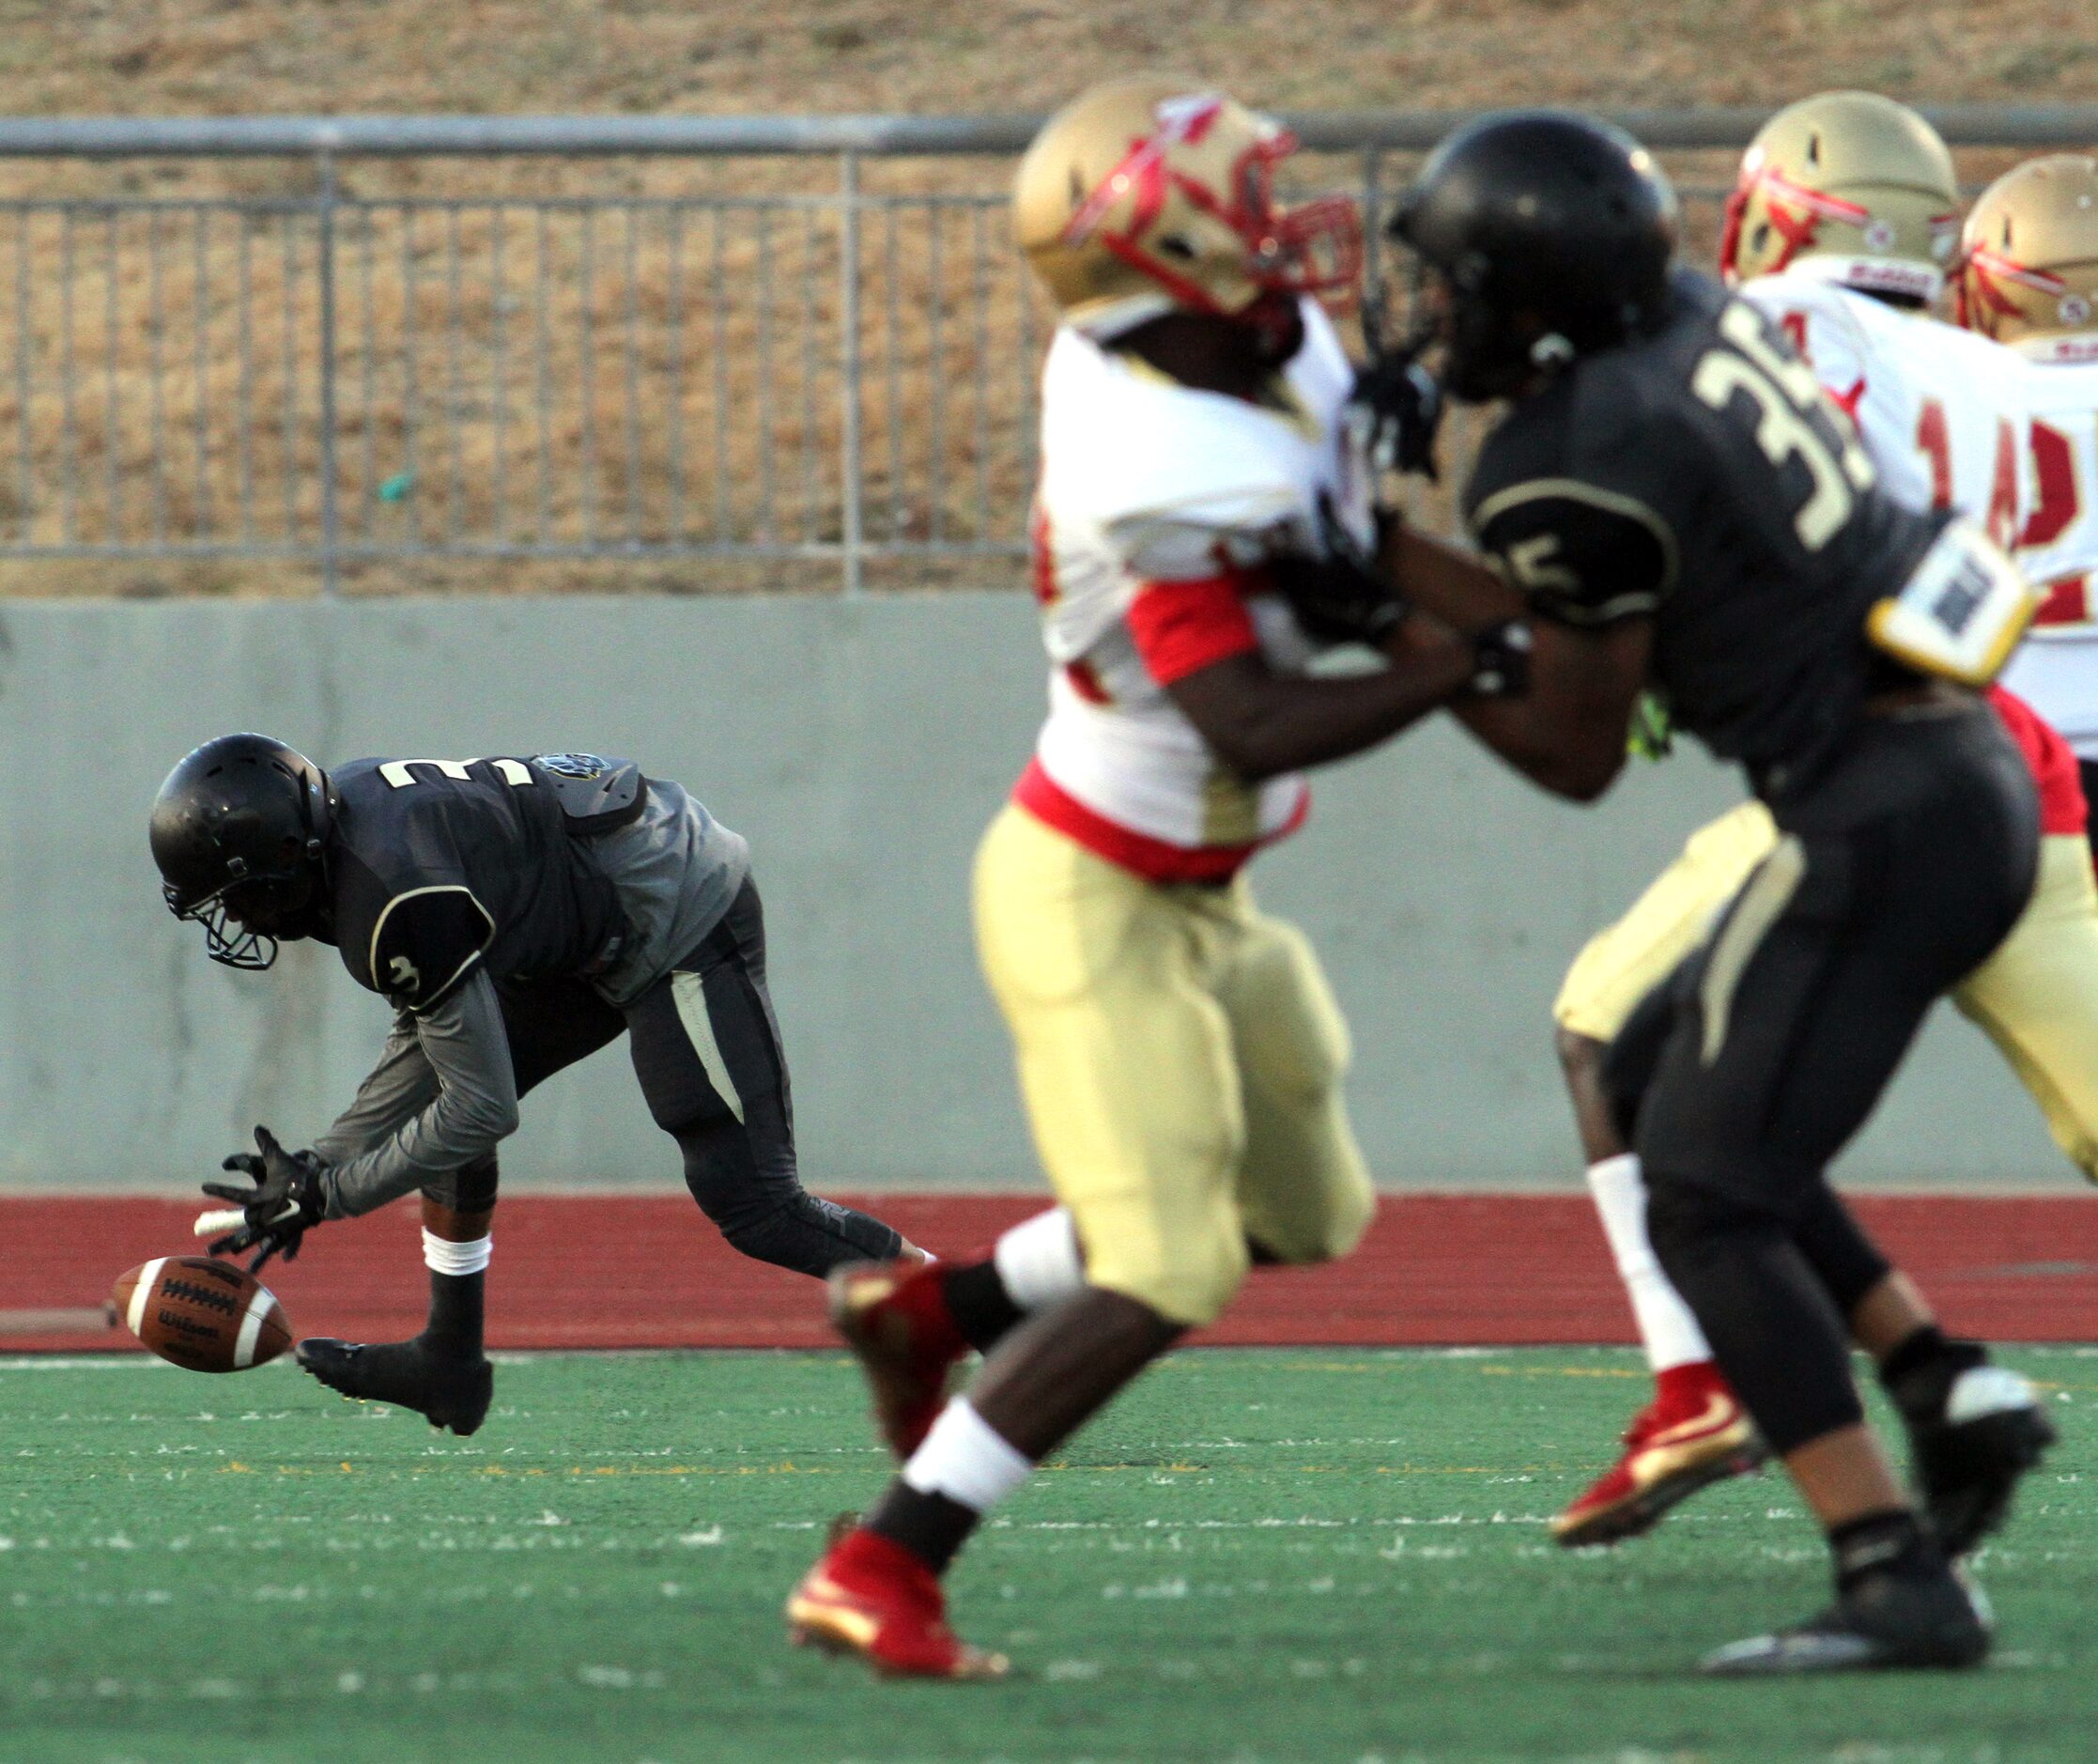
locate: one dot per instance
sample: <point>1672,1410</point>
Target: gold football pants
<point>2037,996</point>
<point>1181,1057</point>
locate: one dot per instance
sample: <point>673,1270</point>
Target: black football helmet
<point>240,832</point>
<point>1550,234</point>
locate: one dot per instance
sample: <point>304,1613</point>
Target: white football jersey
<point>1941,411</point>
<point>2056,668</point>
<point>1156,507</point>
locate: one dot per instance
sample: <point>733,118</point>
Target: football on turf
<point>207,1316</point>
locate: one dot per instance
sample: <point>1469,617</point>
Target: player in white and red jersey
<point>1180,1052</point>
<point>1840,229</point>
<point>2029,278</point>
<point>1941,411</point>
<point>1158,506</point>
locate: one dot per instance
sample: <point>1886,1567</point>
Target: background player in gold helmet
<point>2029,278</point>
<point>1180,1052</point>
<point>1842,230</point>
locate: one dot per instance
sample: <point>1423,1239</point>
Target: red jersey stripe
<point>1154,859</point>
<point>1183,626</point>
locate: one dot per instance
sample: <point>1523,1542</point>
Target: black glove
<point>1343,595</point>
<point>1396,407</point>
<point>288,1196</point>
<point>1501,660</point>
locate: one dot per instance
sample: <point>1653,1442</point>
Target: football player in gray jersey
<point>518,913</point>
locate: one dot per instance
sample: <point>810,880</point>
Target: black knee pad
<point>1683,1218</point>
<point>1770,1320</point>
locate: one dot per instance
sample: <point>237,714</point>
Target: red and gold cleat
<point>894,1316</point>
<point>1694,1433</point>
<point>872,1597</point>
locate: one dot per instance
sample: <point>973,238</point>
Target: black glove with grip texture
<point>1344,595</point>
<point>289,1198</point>
<point>1396,407</point>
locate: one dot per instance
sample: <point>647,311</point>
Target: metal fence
<point>839,373</point>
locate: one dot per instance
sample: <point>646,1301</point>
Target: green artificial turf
<point>1256,1556</point>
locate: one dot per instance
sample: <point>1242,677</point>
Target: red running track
<point>631,1271</point>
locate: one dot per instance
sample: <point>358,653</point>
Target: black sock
<point>930,1526</point>
<point>1919,1372</point>
<point>982,1310</point>
<point>454,1327</point>
<point>1891,1542</point>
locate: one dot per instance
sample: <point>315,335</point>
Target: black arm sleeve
<point>427,941</point>
<point>1582,555</point>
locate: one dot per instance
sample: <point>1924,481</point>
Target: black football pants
<point>706,1048</point>
<point>1896,873</point>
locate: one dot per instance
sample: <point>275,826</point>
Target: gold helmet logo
<point>1854,185</point>
<point>2030,264</point>
<point>1151,193</point>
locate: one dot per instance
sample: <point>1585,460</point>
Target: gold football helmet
<point>2030,264</point>
<point>1859,185</point>
<point>1148,193</point>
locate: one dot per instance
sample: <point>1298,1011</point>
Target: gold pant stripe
<point>1762,904</point>
<point>1621,965</point>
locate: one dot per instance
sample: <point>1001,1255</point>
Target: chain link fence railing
<point>827,376</point>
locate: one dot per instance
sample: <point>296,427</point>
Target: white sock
<point>440,1255</point>
<point>1038,1260</point>
<point>964,1460</point>
<point>1667,1329</point>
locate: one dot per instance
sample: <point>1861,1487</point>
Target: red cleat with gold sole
<point>872,1597</point>
<point>1694,1433</point>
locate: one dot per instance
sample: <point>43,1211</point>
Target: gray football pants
<point>706,1049</point>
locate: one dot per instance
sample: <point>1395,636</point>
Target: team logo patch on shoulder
<point>572,765</point>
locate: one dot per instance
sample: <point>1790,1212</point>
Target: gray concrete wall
<point>861,748</point>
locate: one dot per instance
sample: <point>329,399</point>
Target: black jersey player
<point>1680,509</point>
<point>518,913</point>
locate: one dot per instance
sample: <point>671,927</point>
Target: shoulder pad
<point>598,795</point>
<point>425,942</point>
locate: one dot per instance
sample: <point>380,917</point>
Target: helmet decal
<point>1313,247</point>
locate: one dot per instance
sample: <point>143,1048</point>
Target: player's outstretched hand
<point>1342,595</point>
<point>1396,407</point>
<point>287,1198</point>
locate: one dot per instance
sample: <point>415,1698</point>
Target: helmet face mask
<point>239,833</point>
<point>1150,194</point>
<point>1480,351</point>
<point>245,919</point>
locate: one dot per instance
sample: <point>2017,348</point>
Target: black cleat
<point>1969,1457</point>
<point>444,1390</point>
<point>1885,1621</point>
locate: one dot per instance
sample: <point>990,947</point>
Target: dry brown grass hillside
<point>651,375</point>
<point>143,57</point>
